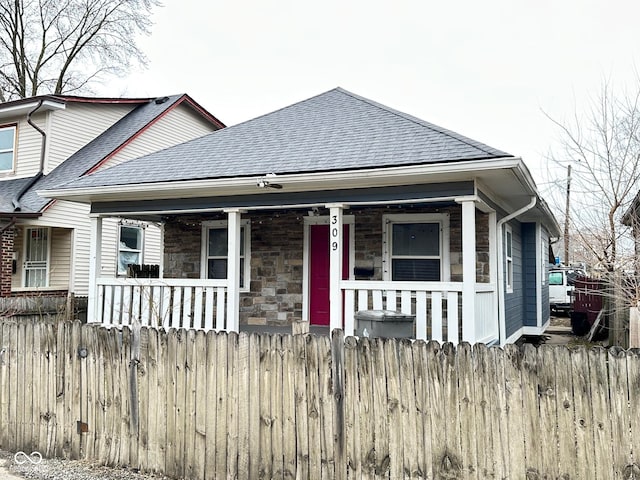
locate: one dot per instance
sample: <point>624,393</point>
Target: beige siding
<point>77,125</point>
<point>28,145</point>
<point>60,255</point>
<point>67,131</point>
<point>152,244</point>
<point>177,126</point>
<point>74,216</point>
<point>110,231</point>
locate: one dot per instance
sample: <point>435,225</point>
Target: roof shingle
<point>333,131</point>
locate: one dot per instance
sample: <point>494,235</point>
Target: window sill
<point>38,289</point>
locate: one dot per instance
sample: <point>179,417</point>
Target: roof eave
<point>20,215</point>
<point>23,108</point>
<point>355,178</point>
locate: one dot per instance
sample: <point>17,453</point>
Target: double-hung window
<point>508,251</point>
<point>7,148</point>
<point>215,249</point>
<point>417,247</point>
<point>129,247</point>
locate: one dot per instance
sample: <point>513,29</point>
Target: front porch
<point>259,290</point>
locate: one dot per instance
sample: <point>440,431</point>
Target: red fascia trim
<point>105,100</point>
<point>206,114</point>
<point>50,204</point>
<point>182,99</point>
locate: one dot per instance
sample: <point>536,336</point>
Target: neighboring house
<point>50,140</point>
<point>330,206</point>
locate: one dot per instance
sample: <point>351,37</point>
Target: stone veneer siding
<point>277,244</point>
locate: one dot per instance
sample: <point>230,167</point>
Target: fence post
<point>300,327</point>
<point>616,310</point>
<point>634,327</point>
<point>337,375</point>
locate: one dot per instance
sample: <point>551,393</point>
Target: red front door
<point>319,271</point>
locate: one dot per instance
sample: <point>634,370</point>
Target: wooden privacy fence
<point>205,405</point>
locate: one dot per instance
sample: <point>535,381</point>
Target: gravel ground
<point>57,469</point>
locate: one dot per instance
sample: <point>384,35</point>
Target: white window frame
<point>141,229</point>
<point>12,150</point>
<point>387,231</point>
<point>508,258</point>
<point>204,255</point>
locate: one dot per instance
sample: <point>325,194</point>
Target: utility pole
<point>566,218</point>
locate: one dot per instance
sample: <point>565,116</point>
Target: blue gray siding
<point>514,301</point>
<point>521,306</point>
<point>529,275</point>
<point>546,310</point>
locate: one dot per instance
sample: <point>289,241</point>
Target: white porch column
<point>493,268</point>
<point>95,266</point>
<point>233,270</point>
<point>468,271</point>
<point>335,266</point>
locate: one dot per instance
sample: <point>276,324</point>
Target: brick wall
<point>277,245</point>
<point>6,262</point>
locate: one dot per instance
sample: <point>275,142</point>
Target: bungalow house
<point>53,139</point>
<point>323,209</point>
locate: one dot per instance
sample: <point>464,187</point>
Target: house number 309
<point>334,233</point>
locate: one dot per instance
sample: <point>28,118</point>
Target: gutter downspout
<point>501,308</point>
<point>30,183</point>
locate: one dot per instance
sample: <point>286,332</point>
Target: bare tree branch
<point>603,146</point>
<point>63,46</point>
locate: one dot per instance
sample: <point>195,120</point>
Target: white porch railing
<point>435,305</point>
<point>201,304</point>
<point>169,303</point>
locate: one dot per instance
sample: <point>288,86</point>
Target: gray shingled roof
<point>334,131</point>
<point>85,158</point>
<point>8,190</point>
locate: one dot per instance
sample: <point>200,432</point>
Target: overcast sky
<point>486,69</point>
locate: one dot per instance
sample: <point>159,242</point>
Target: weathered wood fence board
<point>214,405</point>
